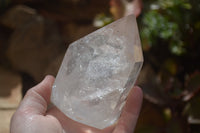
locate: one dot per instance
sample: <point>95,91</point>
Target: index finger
<point>130,113</point>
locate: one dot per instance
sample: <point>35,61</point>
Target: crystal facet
<point>98,72</point>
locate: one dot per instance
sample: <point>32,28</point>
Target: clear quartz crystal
<point>98,72</point>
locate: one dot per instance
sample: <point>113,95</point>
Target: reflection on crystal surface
<point>98,72</point>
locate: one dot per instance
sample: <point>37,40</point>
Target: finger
<point>72,126</point>
<point>130,113</point>
<point>38,97</point>
<point>137,7</point>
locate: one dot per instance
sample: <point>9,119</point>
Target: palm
<point>32,115</point>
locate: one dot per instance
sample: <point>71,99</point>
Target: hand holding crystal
<point>33,115</point>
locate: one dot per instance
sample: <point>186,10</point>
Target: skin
<point>137,7</point>
<point>117,8</point>
<point>34,116</point>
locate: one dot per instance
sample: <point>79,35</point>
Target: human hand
<point>120,8</point>
<point>135,7</point>
<point>32,115</point>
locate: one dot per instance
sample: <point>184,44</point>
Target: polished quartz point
<point>97,73</point>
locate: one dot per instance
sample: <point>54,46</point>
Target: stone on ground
<point>34,43</point>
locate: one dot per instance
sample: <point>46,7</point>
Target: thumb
<point>37,98</point>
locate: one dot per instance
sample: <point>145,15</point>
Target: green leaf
<point>187,6</point>
<point>177,48</point>
<point>101,20</point>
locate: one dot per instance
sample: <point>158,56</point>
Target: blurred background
<point>34,35</point>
